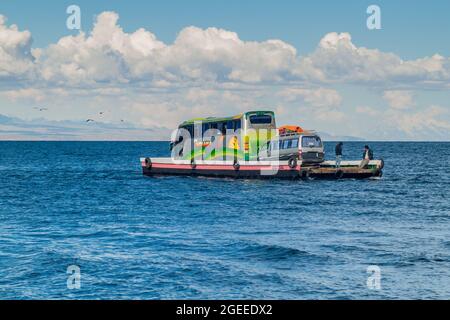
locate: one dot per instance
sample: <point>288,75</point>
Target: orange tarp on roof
<point>284,129</point>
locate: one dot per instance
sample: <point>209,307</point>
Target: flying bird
<point>89,120</point>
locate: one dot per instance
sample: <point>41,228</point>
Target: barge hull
<point>258,170</point>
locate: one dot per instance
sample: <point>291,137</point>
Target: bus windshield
<point>261,119</point>
<point>311,142</point>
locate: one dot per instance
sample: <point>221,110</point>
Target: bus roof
<point>214,119</point>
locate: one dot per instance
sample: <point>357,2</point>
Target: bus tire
<point>148,163</point>
<point>339,174</point>
<point>292,163</point>
<point>236,165</point>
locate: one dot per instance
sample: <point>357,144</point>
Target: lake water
<point>134,237</point>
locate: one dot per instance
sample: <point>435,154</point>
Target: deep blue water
<point>134,237</point>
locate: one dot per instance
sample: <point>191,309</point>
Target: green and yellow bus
<point>237,137</point>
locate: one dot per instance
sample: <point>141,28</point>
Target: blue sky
<point>331,100</point>
<point>410,28</point>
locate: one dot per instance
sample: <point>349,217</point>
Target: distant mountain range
<point>12,128</point>
<point>329,137</point>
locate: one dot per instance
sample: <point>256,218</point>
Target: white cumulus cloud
<point>431,119</point>
<point>109,55</point>
<point>16,59</point>
<point>338,59</point>
<point>320,97</point>
<point>399,99</point>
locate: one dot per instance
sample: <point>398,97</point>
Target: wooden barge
<point>260,169</point>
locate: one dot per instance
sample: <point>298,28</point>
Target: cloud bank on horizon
<point>207,72</point>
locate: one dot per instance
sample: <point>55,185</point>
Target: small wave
<point>427,259</point>
<point>268,252</point>
<point>395,260</point>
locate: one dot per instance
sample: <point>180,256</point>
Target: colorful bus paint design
<point>238,137</point>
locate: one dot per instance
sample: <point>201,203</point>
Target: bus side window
<point>190,128</point>
<point>237,124</point>
<point>222,127</point>
<point>286,144</point>
<point>295,143</point>
<point>275,145</point>
<point>205,127</point>
<point>230,125</point>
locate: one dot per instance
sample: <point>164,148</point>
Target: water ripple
<point>87,203</point>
